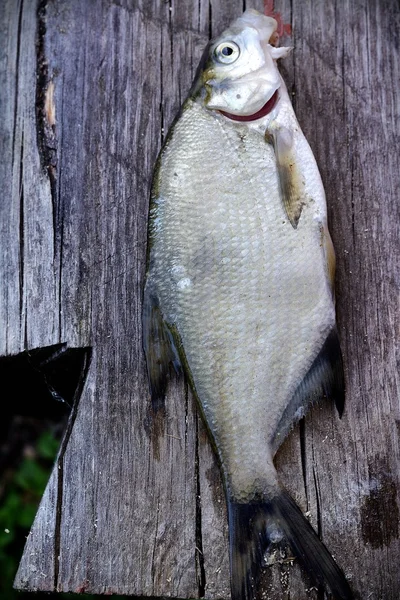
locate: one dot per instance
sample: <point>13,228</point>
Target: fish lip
<point>264,110</point>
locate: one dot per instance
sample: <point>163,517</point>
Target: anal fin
<point>159,348</point>
<point>324,378</point>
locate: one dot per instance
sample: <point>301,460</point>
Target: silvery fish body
<point>239,287</point>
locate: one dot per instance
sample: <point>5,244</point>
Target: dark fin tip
<point>248,541</point>
<point>334,385</point>
<point>160,352</point>
<point>294,220</point>
<point>255,527</point>
<point>158,401</point>
<point>325,379</point>
<point>308,548</point>
<point>291,198</point>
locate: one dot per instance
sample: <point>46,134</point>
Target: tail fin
<point>251,528</point>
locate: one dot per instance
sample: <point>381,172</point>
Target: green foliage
<point>21,491</point>
<point>47,446</point>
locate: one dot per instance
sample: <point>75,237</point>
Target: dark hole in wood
<point>39,394</point>
<point>38,390</point>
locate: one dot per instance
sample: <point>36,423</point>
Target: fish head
<point>239,75</point>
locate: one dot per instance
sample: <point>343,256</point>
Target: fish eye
<point>227,52</point>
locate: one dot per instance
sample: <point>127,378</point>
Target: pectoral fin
<point>159,348</point>
<point>291,183</point>
<point>325,378</point>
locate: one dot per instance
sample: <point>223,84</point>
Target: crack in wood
<point>17,69</point>
<point>302,433</point>
<point>21,250</point>
<point>60,219</point>
<point>153,554</point>
<point>317,499</point>
<point>186,410</point>
<point>201,573</point>
<point>45,113</point>
<point>161,87</point>
<point>353,224</point>
<point>21,228</point>
<point>198,14</point>
<point>320,592</point>
<point>171,41</point>
<point>348,118</point>
<point>293,96</point>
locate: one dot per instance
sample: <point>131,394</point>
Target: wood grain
<point>135,505</point>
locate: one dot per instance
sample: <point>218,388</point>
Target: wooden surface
<point>135,506</point>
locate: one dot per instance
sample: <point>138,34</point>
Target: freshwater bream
<point>239,287</point>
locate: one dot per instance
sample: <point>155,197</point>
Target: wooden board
<point>88,90</point>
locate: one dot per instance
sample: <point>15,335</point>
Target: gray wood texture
<point>88,90</point>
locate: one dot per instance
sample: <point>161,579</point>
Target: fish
<point>239,289</point>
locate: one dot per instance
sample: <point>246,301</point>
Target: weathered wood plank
<point>10,209</point>
<point>30,319</point>
<point>135,506</point>
<point>356,98</point>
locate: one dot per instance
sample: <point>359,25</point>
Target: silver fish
<point>239,287</point>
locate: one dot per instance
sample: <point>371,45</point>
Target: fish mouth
<point>264,110</point>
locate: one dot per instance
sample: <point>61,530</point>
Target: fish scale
<point>239,288</point>
<point>261,289</point>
